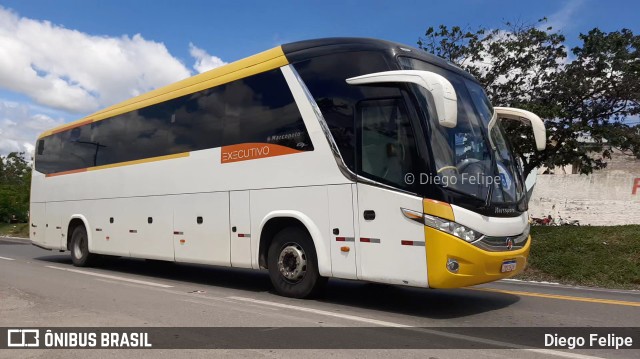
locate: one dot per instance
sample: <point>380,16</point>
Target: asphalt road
<point>42,288</point>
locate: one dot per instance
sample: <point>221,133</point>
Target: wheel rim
<point>77,247</point>
<point>292,262</point>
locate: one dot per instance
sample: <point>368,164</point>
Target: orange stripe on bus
<point>122,164</point>
<point>143,160</point>
<point>66,172</point>
<point>252,151</point>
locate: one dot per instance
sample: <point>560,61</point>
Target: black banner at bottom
<point>320,338</point>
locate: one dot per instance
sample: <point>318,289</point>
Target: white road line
<point>112,277</point>
<point>21,239</point>
<point>217,302</point>
<point>563,354</point>
<point>323,312</point>
<point>7,259</point>
<point>529,281</point>
<point>423,330</point>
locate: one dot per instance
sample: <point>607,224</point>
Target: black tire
<point>80,255</point>
<point>294,243</point>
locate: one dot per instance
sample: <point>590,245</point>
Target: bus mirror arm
<point>528,118</point>
<point>444,95</point>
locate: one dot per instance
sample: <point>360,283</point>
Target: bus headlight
<point>444,225</point>
<point>453,228</point>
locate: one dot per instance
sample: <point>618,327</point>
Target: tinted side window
<point>325,77</point>
<point>66,151</point>
<point>184,124</point>
<point>259,108</point>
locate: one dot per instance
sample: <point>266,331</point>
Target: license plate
<point>508,266</point>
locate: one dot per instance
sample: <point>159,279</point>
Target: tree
<point>589,95</point>
<point>15,181</point>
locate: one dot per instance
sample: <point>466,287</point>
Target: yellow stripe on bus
<point>136,162</point>
<point>121,164</point>
<point>438,209</point>
<point>262,62</point>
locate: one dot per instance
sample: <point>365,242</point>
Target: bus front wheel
<point>80,255</point>
<point>293,264</point>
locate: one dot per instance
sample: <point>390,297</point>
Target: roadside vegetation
<point>587,256</point>
<point>588,90</point>
<point>14,230</point>
<point>15,180</point>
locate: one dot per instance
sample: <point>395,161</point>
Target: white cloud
<point>20,126</point>
<point>77,72</point>
<point>65,71</point>
<point>565,16</point>
<point>204,61</point>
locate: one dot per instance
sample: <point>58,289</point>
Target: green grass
<point>14,230</point>
<point>588,256</point>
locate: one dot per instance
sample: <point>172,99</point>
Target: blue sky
<point>238,28</point>
<point>55,51</point>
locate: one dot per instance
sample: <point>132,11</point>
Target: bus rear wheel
<point>80,255</point>
<point>293,264</point>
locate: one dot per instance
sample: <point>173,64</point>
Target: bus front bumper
<point>475,265</point>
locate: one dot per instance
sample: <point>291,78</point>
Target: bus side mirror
<point>444,95</point>
<point>528,118</point>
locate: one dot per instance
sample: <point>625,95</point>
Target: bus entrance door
<point>390,247</point>
<point>343,246</point>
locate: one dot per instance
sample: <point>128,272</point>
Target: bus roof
<point>261,62</point>
<point>302,50</point>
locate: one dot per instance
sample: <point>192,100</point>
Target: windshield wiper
<point>493,168</point>
<point>487,200</point>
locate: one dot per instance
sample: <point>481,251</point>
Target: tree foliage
<point>15,181</point>
<point>588,96</point>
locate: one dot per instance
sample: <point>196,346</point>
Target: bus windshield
<point>470,158</point>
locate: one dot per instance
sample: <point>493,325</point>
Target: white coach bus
<point>348,158</point>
